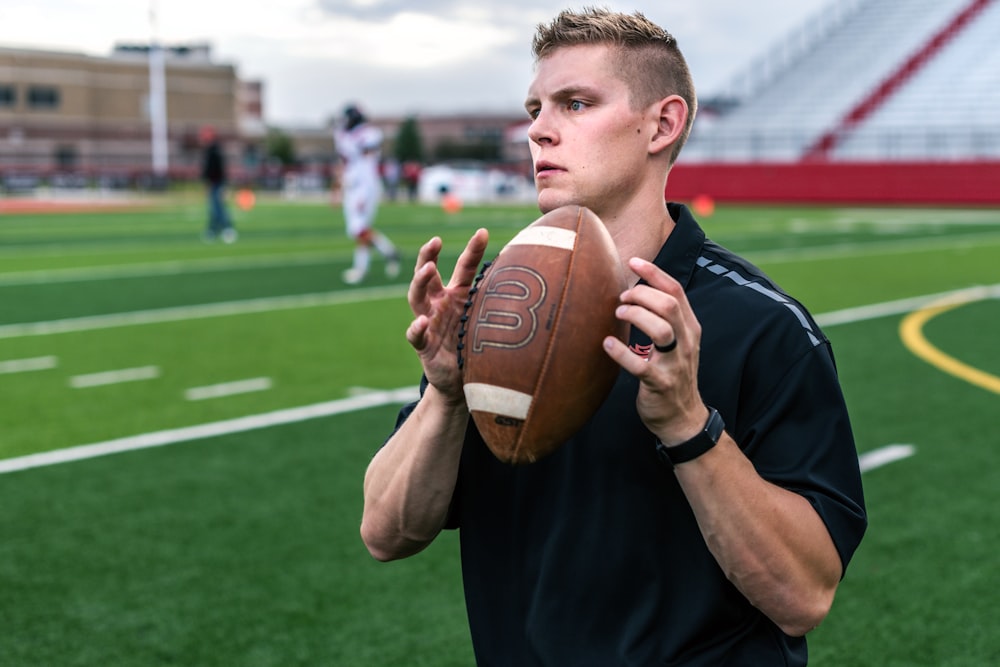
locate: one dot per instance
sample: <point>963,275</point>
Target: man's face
<point>588,146</point>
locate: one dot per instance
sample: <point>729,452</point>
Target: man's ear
<point>672,113</point>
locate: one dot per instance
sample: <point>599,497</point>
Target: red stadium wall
<point>962,183</point>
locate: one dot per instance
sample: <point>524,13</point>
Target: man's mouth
<point>543,166</point>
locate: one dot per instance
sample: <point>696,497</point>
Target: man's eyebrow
<point>569,92</point>
<point>563,94</point>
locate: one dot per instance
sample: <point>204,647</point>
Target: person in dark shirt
<point>213,173</point>
<point>707,512</point>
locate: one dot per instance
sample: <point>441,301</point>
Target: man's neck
<point>640,233</point>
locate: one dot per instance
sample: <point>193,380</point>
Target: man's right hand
<point>438,310</point>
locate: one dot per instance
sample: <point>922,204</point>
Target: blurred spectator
<point>213,172</point>
<point>391,173</point>
<point>411,177</point>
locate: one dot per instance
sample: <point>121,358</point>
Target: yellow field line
<point>912,334</point>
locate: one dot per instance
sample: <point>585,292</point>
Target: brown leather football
<point>533,365</point>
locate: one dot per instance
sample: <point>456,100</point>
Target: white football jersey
<point>361,150</point>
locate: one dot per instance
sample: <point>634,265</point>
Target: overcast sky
<point>392,56</point>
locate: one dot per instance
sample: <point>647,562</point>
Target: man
<point>213,173</point>
<point>666,531</point>
<point>360,147</point>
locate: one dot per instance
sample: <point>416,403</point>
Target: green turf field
<point>235,541</point>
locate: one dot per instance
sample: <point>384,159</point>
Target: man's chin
<point>550,201</point>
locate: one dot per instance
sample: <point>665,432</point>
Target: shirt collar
<point>679,254</point>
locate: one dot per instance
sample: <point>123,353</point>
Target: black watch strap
<point>696,446</point>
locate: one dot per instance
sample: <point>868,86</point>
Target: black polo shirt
<point>592,556</point>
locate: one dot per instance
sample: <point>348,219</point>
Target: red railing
<point>969,183</point>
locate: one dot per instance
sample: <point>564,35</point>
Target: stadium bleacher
<point>960,87</point>
<point>943,104</point>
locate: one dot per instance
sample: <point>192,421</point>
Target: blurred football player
<point>359,145</point>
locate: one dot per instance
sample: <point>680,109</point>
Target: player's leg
<point>385,247</point>
<point>388,250</point>
<point>359,230</point>
<point>362,258</point>
<point>228,231</point>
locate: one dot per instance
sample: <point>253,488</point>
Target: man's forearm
<point>769,541</point>
<point>410,482</point>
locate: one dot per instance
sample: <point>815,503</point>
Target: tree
<point>484,149</point>
<point>409,143</point>
<point>279,145</point>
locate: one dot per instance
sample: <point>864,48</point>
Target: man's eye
<point>576,105</point>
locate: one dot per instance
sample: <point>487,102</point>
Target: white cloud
<point>406,41</point>
<point>395,55</point>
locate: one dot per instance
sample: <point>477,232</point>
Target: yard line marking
<point>845,250</point>
<point>168,268</point>
<point>114,377</point>
<point>867,461</point>
<point>201,311</point>
<point>338,298</point>
<point>911,331</point>
<point>361,391</point>
<point>914,217</point>
<point>27,365</point>
<point>227,389</point>
<point>881,456</point>
<point>211,430</point>
<point>901,306</point>
<point>177,267</point>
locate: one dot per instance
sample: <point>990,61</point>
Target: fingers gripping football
<point>438,308</point>
<point>668,399</point>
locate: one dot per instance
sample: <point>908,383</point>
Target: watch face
<point>715,425</point>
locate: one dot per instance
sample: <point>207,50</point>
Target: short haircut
<point>648,57</point>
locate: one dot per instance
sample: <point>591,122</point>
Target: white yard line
<point>361,391</point>
<point>845,250</point>
<point>28,365</point>
<point>114,377</point>
<point>316,300</point>
<point>867,461</point>
<point>877,310</point>
<point>881,456</point>
<point>211,430</point>
<point>227,389</point>
<point>177,267</point>
<point>184,313</point>
<point>167,268</point>
<point>367,400</point>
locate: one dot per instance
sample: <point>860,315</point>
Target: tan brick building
<point>74,118</point>
<point>70,112</point>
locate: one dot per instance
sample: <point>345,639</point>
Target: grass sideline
<point>243,549</point>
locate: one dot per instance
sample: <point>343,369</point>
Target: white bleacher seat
<point>958,90</point>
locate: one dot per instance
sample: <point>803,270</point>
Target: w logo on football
<point>509,314</point>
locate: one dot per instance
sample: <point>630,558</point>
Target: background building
<point>70,118</point>
<point>870,100</point>
<point>69,115</point>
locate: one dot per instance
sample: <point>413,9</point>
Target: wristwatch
<point>696,446</point>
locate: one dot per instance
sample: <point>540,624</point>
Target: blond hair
<point>648,57</point>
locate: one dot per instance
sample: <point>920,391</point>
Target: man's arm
<point>770,542</point>
<point>410,481</point>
